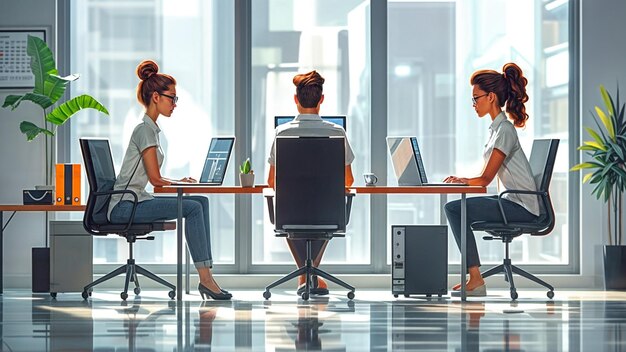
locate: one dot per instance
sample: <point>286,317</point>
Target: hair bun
<point>146,69</point>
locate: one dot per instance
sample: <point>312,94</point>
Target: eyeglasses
<point>474,99</point>
<point>173,97</point>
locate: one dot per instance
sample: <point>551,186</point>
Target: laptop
<point>338,120</point>
<point>216,162</point>
<point>408,164</point>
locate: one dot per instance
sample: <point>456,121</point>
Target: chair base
<point>308,270</point>
<point>509,269</point>
<point>131,269</point>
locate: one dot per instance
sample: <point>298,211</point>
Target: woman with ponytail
<point>142,162</point>
<point>491,92</point>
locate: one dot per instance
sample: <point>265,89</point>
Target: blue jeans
<point>195,213</point>
<point>482,209</point>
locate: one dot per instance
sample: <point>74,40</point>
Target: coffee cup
<point>370,179</point>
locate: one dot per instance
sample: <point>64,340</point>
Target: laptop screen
<point>407,161</point>
<point>216,160</point>
<point>338,120</point>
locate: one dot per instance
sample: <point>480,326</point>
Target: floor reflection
<point>594,322</point>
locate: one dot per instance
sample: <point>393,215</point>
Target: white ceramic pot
<point>246,180</point>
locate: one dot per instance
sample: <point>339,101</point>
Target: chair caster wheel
<point>305,296</point>
<point>429,295</point>
<point>172,294</point>
<point>53,294</point>
<point>86,294</point>
<point>396,296</point>
<point>440,295</point>
<point>350,295</point>
<point>407,295</point>
<point>267,294</point>
<point>123,296</point>
<point>513,294</point>
<point>550,294</point>
<point>137,290</point>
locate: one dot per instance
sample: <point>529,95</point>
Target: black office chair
<point>101,176</point>
<point>541,160</point>
<point>311,199</point>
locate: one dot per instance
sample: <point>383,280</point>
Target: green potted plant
<point>49,88</point>
<point>607,152</point>
<point>246,174</point>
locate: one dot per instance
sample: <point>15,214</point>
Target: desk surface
<point>192,188</point>
<point>418,189</point>
<point>20,207</point>
<point>195,188</point>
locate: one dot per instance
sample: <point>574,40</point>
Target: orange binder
<point>67,190</point>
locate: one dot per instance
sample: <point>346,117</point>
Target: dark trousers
<point>481,209</point>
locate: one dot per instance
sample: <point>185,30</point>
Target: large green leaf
<point>14,100</point>
<point>11,100</point>
<point>587,165</point>
<point>31,130</point>
<point>63,112</point>
<point>54,86</point>
<point>41,62</point>
<point>594,135</point>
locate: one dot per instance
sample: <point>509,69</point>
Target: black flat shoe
<point>219,296</point>
<point>316,290</point>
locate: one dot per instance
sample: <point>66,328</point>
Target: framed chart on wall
<point>15,70</point>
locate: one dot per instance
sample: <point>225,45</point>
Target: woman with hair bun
<point>503,156</point>
<point>142,162</point>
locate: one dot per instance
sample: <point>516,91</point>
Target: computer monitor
<point>338,120</point>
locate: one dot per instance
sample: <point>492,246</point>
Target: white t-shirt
<point>145,135</point>
<point>515,172</point>
<point>310,125</point>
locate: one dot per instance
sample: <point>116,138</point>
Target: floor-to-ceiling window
<point>191,40</point>
<point>434,47</point>
<point>296,36</point>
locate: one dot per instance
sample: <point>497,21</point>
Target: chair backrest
<point>310,190</point>
<point>542,158</point>
<point>101,177</point>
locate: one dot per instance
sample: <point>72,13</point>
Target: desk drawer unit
<point>71,257</point>
<point>419,262</point>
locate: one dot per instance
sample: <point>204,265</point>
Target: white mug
<point>370,179</point>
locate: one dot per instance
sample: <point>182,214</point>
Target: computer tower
<point>419,263</point>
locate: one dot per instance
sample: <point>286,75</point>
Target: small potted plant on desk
<point>246,175</point>
<point>607,151</point>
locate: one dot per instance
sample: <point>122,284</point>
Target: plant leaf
<point>41,62</point>
<point>63,112</point>
<point>607,100</point>
<point>31,130</point>
<point>54,86</point>
<point>594,135</point>
<point>38,99</point>
<point>587,165</point>
<point>12,100</point>
<point>587,177</point>
<point>608,124</point>
<point>595,145</point>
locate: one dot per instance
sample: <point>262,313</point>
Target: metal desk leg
<point>1,255</point>
<point>187,262</point>
<point>179,247</point>
<point>463,245</point>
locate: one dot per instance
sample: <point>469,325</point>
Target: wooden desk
<point>191,188</point>
<point>18,207</point>
<point>179,190</point>
<point>442,190</point>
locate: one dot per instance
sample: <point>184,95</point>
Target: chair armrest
<point>123,191</point>
<point>349,196</point>
<point>268,193</point>
<point>515,191</point>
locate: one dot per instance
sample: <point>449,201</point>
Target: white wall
<point>603,61</point>
<point>21,162</point>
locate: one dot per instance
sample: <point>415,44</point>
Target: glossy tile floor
<point>573,321</point>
